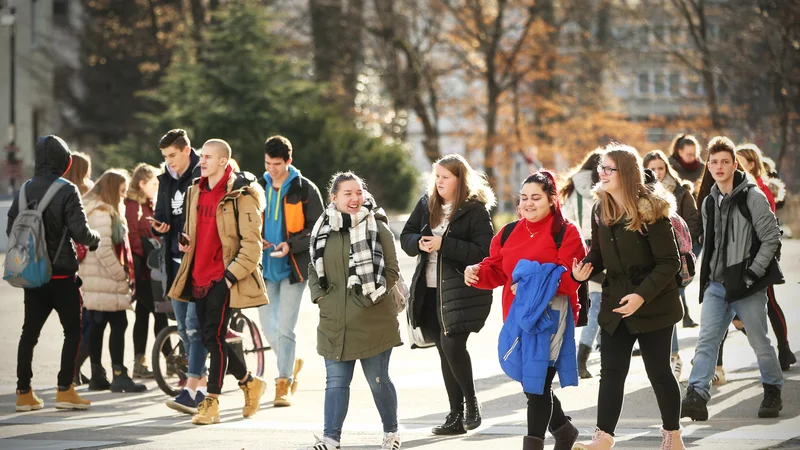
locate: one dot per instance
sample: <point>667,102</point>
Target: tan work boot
<point>671,440</point>
<point>28,401</point>
<point>253,391</point>
<point>70,399</point>
<point>207,412</point>
<point>600,441</point>
<point>283,397</point>
<point>298,366</point>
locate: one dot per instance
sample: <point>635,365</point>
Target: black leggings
<point>776,318</point>
<point>545,409</point>
<point>615,361</point>
<point>456,362</point>
<point>144,307</point>
<point>116,343</point>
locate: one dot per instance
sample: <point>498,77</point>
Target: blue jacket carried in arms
<point>524,343</point>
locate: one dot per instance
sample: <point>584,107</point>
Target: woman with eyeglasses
<point>685,158</point>
<point>632,240</point>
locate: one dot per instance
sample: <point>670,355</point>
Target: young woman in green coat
<point>352,272</point>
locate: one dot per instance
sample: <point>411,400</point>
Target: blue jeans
<point>192,337</point>
<point>337,392</point>
<point>278,320</point>
<point>716,315</point>
<point>589,333</point>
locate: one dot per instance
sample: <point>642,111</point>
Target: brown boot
<point>28,401</point>
<point>70,399</point>
<point>671,440</point>
<point>298,366</point>
<point>253,391</point>
<point>532,443</point>
<point>283,396</point>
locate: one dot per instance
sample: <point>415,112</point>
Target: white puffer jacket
<point>583,186</point>
<point>105,280</point>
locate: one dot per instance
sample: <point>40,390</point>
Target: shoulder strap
<point>559,238</point>
<point>507,231</point>
<point>48,196</point>
<point>580,209</point>
<point>23,198</point>
<point>744,210</point>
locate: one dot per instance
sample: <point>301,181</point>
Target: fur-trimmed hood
<point>485,196</point>
<point>138,197</point>
<point>656,204</point>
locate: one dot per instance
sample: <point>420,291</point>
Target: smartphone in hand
<point>184,240</point>
<point>153,221</point>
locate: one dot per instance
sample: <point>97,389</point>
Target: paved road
<point>141,421</point>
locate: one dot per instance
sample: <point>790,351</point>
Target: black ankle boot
<point>583,357</point>
<point>453,425</point>
<point>532,443</point>
<point>123,383</point>
<point>565,435</point>
<point>472,417</point>
<point>785,356</point>
<point>99,381</point>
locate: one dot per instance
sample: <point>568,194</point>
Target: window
<point>675,84</point>
<point>658,34</point>
<point>659,84</point>
<point>694,86</point>
<point>644,83</point>
<point>644,36</point>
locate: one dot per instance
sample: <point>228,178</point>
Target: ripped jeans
<point>192,337</point>
<point>337,392</point>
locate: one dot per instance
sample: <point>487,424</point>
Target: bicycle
<point>171,363</point>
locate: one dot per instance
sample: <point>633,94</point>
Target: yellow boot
<point>283,396</point>
<point>298,366</point>
<point>28,401</point>
<point>253,391</point>
<point>70,399</point>
<point>207,412</point>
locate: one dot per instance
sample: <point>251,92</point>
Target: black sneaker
<point>472,416</point>
<point>772,404</point>
<point>123,383</point>
<point>694,406</point>
<point>786,356</point>
<point>453,425</point>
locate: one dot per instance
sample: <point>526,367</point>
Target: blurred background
<point>385,87</point>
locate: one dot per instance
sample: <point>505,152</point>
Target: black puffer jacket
<point>461,308</point>
<point>64,214</point>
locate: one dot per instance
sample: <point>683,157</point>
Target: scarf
<point>669,183</point>
<point>690,167</point>
<point>367,267</point>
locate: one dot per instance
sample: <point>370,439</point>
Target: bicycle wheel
<point>251,349</point>
<point>170,362</point>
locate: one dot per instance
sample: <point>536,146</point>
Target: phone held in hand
<point>278,254</point>
<point>184,240</point>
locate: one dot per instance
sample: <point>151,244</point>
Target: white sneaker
<point>323,443</point>
<point>677,366</point>
<point>391,441</point>
<point>719,377</point>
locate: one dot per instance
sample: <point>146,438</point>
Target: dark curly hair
<point>278,147</point>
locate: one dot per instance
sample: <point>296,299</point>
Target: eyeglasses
<point>606,170</point>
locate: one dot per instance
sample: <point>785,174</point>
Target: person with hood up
<point>65,223</point>
<point>578,201</point>
<point>293,207</point>
<point>633,240</point>
<point>529,258</point>
<point>352,273</point>
<point>221,270</point>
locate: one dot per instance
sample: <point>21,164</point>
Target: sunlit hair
<point>682,140</point>
<point>142,173</point>
<point>752,154</point>
<point>658,155</point>
<point>547,182</point>
<point>715,145</point>
<point>79,171</point>
<point>107,187</point>
<point>590,163</point>
<point>631,180</point>
<point>471,185</point>
<point>340,177</point>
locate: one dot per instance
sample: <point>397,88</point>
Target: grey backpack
<point>27,263</point>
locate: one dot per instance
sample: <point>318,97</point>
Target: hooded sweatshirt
<point>170,203</point>
<point>276,269</point>
<point>209,266</point>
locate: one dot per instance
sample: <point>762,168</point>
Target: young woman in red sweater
<point>533,238</point>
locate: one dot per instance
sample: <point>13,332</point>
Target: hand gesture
<point>471,274</point>
<point>265,244</point>
<point>184,245</point>
<point>161,227</point>
<point>580,271</point>
<point>283,247</point>
<point>630,304</point>
<point>433,243</point>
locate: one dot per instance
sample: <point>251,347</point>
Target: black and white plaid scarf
<point>367,267</point>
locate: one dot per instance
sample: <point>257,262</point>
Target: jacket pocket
<point>360,299</point>
<point>735,286</point>
<point>295,219</point>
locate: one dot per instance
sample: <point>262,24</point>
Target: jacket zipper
<point>439,281</point>
<point>508,353</point>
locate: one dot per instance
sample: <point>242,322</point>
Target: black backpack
<point>583,290</point>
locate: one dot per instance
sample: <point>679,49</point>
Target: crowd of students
<point>605,241</point>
